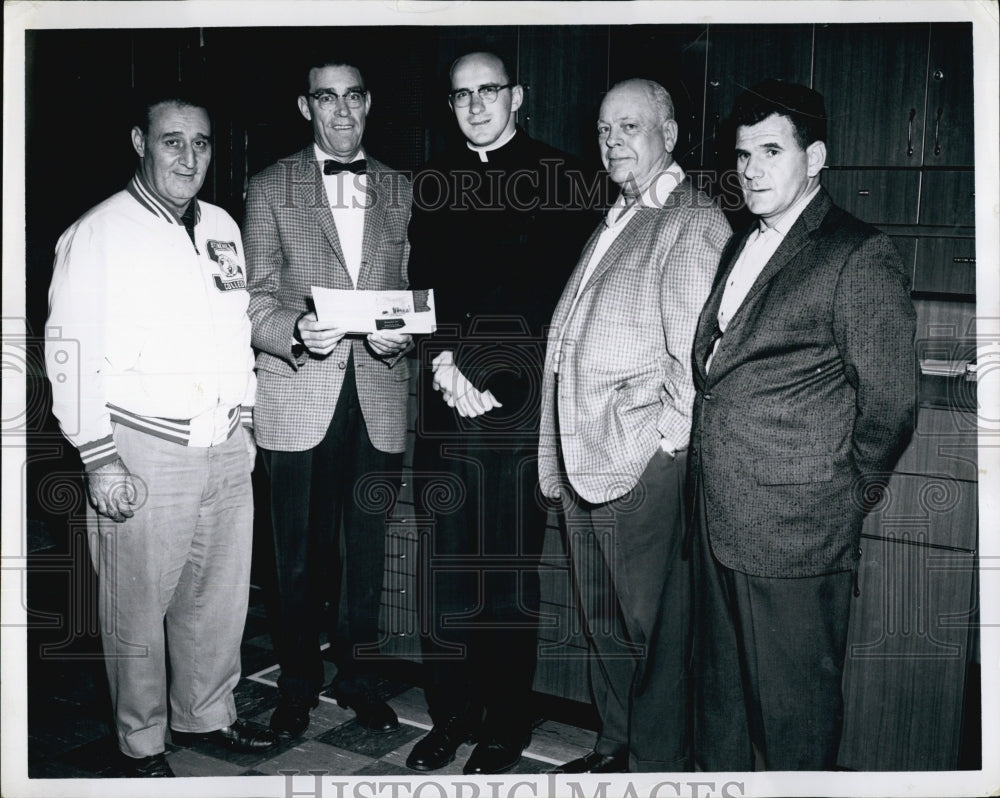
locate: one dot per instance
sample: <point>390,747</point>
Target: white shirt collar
<point>323,155</point>
<point>496,145</point>
<point>653,196</point>
<point>789,217</point>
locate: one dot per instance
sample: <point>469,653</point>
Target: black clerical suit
<point>496,240</point>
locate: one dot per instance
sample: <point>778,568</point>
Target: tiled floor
<point>70,732</point>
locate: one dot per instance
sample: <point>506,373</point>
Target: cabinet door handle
<point>909,133</point>
<point>937,132</point>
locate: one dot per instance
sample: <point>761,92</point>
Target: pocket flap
<point>796,470</point>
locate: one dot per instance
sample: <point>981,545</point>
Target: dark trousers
<point>634,589</point>
<point>478,579</point>
<point>345,487</point>
<point>768,657</point>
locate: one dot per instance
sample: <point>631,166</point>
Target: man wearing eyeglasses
<point>497,224</point>
<point>331,405</point>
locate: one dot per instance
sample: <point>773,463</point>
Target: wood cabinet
<point>945,266</point>
<point>879,196</point>
<point>949,115</point>
<point>737,60</point>
<point>673,56</point>
<point>873,80</point>
<point>565,73</point>
<point>912,625</point>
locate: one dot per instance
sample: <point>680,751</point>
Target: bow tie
<point>336,167</point>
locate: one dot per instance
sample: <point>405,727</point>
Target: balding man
<point>616,418</point>
<point>495,231</point>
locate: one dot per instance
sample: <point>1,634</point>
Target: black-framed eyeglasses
<point>354,98</point>
<point>460,98</point>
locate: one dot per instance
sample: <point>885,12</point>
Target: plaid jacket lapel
<point>310,176</point>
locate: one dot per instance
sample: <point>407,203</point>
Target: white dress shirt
<point>620,214</point>
<point>347,195</point>
<point>760,246</point>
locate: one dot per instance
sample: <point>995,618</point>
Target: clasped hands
<point>320,337</point>
<point>457,391</point>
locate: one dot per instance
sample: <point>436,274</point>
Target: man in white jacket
<point>152,285</point>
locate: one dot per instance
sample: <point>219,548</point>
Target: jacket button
<point>468,315</point>
<point>342,364</point>
<point>708,397</point>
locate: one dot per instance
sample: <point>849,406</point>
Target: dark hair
<point>801,105</point>
<point>146,99</point>
<point>321,60</point>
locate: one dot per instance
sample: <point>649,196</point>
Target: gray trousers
<point>634,591</point>
<point>177,573</point>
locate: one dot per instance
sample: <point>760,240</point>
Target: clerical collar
<point>496,145</point>
<point>323,155</point>
<point>145,196</point>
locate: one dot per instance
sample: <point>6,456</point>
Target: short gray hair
<point>659,97</point>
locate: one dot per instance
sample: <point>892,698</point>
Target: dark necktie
<point>336,167</point>
<point>187,219</point>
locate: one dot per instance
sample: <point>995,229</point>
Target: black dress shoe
<point>372,712</point>
<point>494,756</point>
<point>595,763</point>
<point>240,736</point>
<point>147,767</point>
<point>438,747</point>
<point>291,717</point>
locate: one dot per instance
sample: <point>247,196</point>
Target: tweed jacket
<point>624,348</point>
<point>291,244</point>
<point>810,394</point>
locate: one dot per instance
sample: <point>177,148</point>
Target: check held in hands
<point>457,391</point>
<point>321,337</point>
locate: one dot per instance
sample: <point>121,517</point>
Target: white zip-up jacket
<point>157,324</point>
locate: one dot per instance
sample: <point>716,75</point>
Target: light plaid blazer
<point>624,350</point>
<point>291,244</point>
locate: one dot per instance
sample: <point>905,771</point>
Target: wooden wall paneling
<point>944,444</point>
<point>944,324</point>
<point>739,56</point>
<point>872,78</point>
<point>929,508</point>
<point>907,247</point>
<point>878,196</point>
<point>948,198</point>
<point>949,118</point>
<point>566,70</point>
<point>946,265</point>
<point>673,56</point>
<point>904,675</point>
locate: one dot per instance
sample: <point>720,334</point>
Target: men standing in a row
<point>331,405</point>
<point>151,285</point>
<point>496,228</point>
<point>616,414</point>
<point>804,366</point>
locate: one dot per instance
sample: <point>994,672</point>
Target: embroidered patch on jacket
<point>224,254</point>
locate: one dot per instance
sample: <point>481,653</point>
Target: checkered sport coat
<point>291,244</point>
<point>624,350</point>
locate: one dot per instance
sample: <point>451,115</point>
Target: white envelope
<point>372,311</point>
